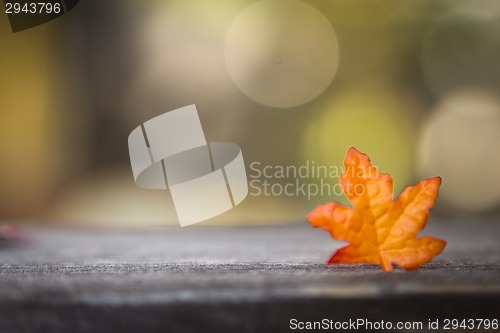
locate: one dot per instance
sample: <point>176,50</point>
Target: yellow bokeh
<point>376,123</point>
<point>461,143</point>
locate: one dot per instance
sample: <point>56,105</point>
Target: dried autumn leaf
<point>378,229</point>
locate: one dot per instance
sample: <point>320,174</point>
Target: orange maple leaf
<point>378,229</point>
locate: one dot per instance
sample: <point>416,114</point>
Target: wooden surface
<point>245,279</point>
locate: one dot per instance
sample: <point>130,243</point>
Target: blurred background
<point>414,84</point>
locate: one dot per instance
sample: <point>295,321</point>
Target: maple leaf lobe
<point>379,230</point>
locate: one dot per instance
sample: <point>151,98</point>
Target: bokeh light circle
<point>376,123</point>
<point>461,143</point>
<point>281,53</point>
